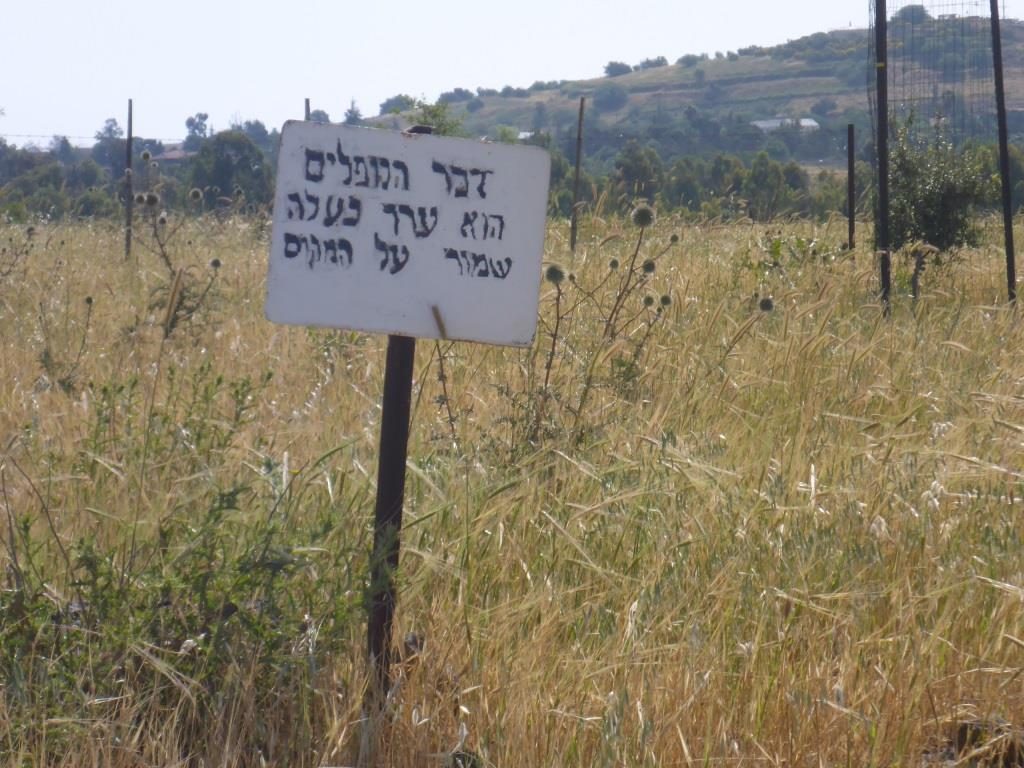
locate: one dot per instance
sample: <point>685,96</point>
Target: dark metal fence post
<point>1004,154</point>
<point>882,148</point>
<point>129,201</point>
<point>576,179</point>
<point>307,113</point>
<point>851,189</point>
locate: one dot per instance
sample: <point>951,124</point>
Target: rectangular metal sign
<point>408,234</point>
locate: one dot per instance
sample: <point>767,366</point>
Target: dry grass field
<point>722,513</point>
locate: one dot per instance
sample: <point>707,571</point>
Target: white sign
<point>416,235</point>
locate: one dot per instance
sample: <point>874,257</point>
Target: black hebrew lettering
<point>501,267</point>
<point>483,179</point>
<point>469,221</point>
<point>390,209</point>
<point>294,198</point>
<point>381,171</point>
<point>340,251</point>
<point>293,245</point>
<point>492,225</point>
<point>360,163</point>
<point>396,256</point>
<point>437,167</point>
<point>315,200</point>
<point>335,251</point>
<point>355,205</point>
<point>368,171</point>
<point>450,253</point>
<point>478,264</point>
<point>343,160</point>
<point>400,165</point>
<point>424,229</point>
<point>315,254</point>
<point>314,158</point>
<point>420,226</point>
<point>333,214</point>
<point>461,189</point>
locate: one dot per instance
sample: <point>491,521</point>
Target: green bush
<point>934,188</point>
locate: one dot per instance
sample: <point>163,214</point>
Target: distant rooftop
<point>803,123</point>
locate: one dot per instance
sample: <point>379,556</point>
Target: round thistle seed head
<point>162,220</point>
<point>674,239</point>
<point>554,274</point>
<point>613,264</point>
<point>215,264</point>
<point>666,300</point>
<point>88,301</point>
<point>146,156</point>
<point>140,199</point>
<point>152,199</point>
<point>648,267</point>
<point>766,304</point>
<point>643,215</point>
<point>648,301</point>
<point>195,194</point>
<point>127,173</point>
<point>154,164</point>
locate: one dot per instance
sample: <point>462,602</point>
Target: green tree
<point>62,150</point>
<point>764,188</point>
<point>110,148</point>
<point>230,165</point>
<point>658,61</point>
<point>352,115</point>
<point>934,189</point>
<point>439,117</point>
<point>609,97</point>
<point>399,103</point>
<point>197,131</point>
<point>638,172</point>
<point>319,116</point>
<point>726,176</point>
<point>616,68</point>
<point>684,184</point>
<point>911,14</point>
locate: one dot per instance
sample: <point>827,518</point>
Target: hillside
<point>704,105</point>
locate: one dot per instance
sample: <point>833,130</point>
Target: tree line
<point>235,168</point>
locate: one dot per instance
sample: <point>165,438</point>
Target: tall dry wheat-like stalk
<point>790,533</point>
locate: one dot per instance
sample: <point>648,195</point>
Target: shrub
<point>609,96</point>
<point>616,68</point>
<point>934,188</point>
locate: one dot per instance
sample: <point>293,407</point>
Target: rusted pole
<point>882,148</point>
<point>1004,155</point>
<point>576,179</point>
<point>851,189</point>
<point>129,201</point>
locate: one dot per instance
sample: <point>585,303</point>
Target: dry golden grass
<point>785,537</point>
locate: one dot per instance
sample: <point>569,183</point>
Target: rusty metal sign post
<point>412,235</point>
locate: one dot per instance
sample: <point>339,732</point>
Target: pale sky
<point>69,65</point>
